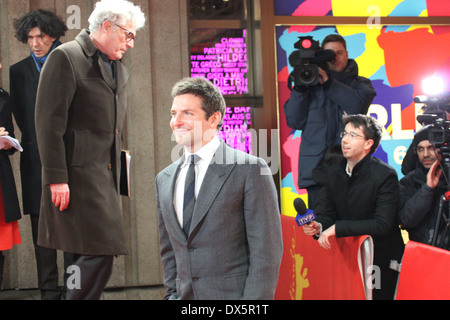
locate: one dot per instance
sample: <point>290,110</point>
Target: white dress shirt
<point>206,154</point>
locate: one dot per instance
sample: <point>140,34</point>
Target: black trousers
<point>89,277</point>
<point>47,266</point>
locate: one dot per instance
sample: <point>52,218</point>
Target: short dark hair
<point>334,38</point>
<point>212,99</point>
<point>48,22</point>
<point>368,125</point>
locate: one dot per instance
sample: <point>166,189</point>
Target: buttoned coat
<point>234,247</point>
<point>24,80</point>
<point>80,111</point>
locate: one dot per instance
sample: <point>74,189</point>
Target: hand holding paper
<point>6,142</point>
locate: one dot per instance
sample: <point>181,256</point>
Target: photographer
<point>421,191</point>
<point>317,110</point>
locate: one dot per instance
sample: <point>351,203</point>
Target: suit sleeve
<point>167,254</point>
<point>56,89</point>
<point>264,236</point>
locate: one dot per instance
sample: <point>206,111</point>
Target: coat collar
<point>359,167</point>
<point>91,50</point>
<point>86,43</point>
<point>32,67</point>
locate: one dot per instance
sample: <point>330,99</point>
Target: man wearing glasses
<point>361,198</point>
<point>80,111</point>
<point>420,194</point>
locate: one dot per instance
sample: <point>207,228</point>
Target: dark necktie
<point>189,195</point>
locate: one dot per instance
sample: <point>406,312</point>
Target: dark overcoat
<point>7,181</point>
<point>24,80</point>
<point>80,112</point>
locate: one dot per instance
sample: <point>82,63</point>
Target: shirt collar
<point>347,171</point>
<point>206,153</point>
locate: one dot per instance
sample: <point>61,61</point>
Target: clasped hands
<point>313,228</point>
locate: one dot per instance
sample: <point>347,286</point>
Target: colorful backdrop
<point>395,58</point>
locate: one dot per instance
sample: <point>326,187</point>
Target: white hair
<point>121,11</point>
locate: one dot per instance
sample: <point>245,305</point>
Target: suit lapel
<point>121,74</point>
<point>122,78</point>
<point>215,177</point>
<point>167,194</point>
<point>32,67</point>
<point>106,74</point>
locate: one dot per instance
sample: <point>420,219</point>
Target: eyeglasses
<point>352,135</point>
<point>129,36</point>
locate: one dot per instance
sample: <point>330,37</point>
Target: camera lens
<point>308,75</point>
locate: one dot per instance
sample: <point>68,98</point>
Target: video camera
<point>435,116</point>
<point>306,62</point>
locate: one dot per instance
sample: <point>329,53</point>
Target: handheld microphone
<point>304,216</point>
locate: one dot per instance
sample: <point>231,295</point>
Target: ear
<point>107,25</point>
<point>368,145</point>
<point>215,119</point>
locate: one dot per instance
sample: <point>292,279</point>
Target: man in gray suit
<point>232,246</point>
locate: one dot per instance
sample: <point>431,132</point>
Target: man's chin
<point>183,140</point>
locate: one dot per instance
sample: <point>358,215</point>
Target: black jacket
<point>7,181</point>
<point>318,110</point>
<point>365,204</point>
<point>24,79</point>
<point>419,207</point>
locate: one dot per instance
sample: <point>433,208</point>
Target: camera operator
<point>410,160</point>
<point>421,191</point>
<point>317,110</point>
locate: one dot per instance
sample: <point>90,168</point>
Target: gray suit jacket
<point>234,248</point>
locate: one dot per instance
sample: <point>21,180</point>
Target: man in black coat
<point>360,197</point>
<point>41,30</point>
<point>421,191</point>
